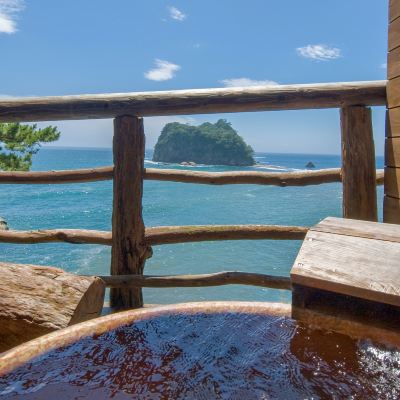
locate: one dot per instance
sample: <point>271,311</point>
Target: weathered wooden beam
<point>129,250</point>
<point>35,300</point>
<point>357,228</point>
<point>183,234</point>
<point>393,63</point>
<point>380,177</point>
<point>393,92</point>
<point>184,176</point>
<point>392,182</point>
<point>76,236</point>
<point>215,279</point>
<point>358,164</point>
<point>391,201</point>
<point>394,10</point>
<point>391,210</point>
<point>161,234</point>
<point>246,177</point>
<point>198,101</point>
<point>57,177</point>
<point>392,152</point>
<point>393,122</point>
<point>348,270</point>
<point>394,34</point>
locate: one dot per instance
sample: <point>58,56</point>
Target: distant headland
<point>210,144</point>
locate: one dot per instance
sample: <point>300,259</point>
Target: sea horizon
<point>152,148</point>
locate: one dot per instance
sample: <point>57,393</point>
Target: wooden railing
<point>131,242</point>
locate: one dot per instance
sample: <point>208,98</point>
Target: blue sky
<point>62,47</point>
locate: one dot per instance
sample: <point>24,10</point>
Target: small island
<point>210,144</point>
<point>310,164</point>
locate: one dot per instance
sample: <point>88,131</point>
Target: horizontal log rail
<point>300,178</point>
<point>57,177</point>
<point>198,101</point>
<point>215,279</point>
<point>76,236</point>
<point>199,233</point>
<point>161,234</point>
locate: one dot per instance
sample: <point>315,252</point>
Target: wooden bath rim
<point>27,352</point>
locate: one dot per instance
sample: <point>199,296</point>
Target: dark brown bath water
<point>210,356</point>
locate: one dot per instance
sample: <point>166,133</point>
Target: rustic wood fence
<point>130,241</point>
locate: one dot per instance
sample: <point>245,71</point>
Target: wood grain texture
<point>215,279</point>
<point>35,300</point>
<point>76,236</point>
<point>22,355</point>
<point>393,92</point>
<point>282,179</point>
<point>391,210</point>
<point>393,122</point>
<point>129,250</point>
<point>182,234</point>
<point>198,101</point>
<point>392,182</point>
<point>161,234</point>
<point>391,206</point>
<point>247,177</point>
<point>393,63</point>
<point>358,164</point>
<point>394,10</point>
<point>184,176</point>
<point>353,266</point>
<point>394,34</point>
<point>392,152</point>
<point>357,228</point>
<point>57,177</point>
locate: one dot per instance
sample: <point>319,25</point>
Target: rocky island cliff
<point>211,144</point>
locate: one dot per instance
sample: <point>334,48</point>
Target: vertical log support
<point>391,202</point>
<point>358,164</point>
<point>129,250</point>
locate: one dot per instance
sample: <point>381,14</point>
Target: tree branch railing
<point>197,101</point>
<point>131,242</point>
<point>215,279</point>
<point>159,235</point>
<point>297,178</point>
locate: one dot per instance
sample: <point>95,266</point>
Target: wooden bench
<point>348,271</point>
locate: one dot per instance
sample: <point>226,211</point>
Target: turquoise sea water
<point>88,206</point>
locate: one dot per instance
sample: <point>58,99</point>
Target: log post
<point>358,164</point>
<point>129,250</point>
<point>391,202</point>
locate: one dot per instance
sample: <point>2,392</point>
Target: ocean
<point>88,206</point>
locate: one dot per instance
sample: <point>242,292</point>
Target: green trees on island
<point>19,142</point>
<point>213,144</point>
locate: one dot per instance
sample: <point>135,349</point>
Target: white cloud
<point>320,52</point>
<point>164,70</point>
<point>8,11</point>
<point>176,14</point>
<point>237,82</point>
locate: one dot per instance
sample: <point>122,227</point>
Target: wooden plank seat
<point>348,270</point>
